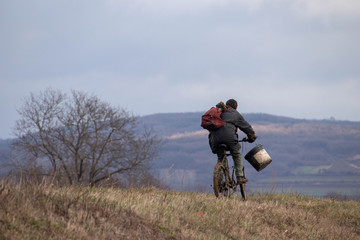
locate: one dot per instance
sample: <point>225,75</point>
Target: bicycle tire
<point>242,191</point>
<point>220,181</point>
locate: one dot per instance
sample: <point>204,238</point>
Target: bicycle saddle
<point>222,146</point>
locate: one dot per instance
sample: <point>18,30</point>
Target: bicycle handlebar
<point>246,139</point>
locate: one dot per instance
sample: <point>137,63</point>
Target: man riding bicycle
<point>227,134</point>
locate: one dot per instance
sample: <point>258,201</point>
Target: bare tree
<point>81,139</point>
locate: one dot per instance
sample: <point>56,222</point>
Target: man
<point>227,134</point>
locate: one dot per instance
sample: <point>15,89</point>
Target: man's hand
<point>252,138</point>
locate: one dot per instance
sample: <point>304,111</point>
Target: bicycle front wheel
<point>220,181</point>
<point>242,191</point>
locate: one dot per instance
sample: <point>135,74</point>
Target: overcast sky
<point>296,58</point>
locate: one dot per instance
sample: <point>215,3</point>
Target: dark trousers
<point>236,156</point>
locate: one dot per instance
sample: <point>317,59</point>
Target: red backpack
<point>211,119</point>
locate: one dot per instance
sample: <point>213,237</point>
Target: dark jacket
<point>227,134</point>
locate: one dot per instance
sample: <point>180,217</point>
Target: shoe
<point>241,180</point>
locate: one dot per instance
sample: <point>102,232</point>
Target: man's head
<point>232,103</point>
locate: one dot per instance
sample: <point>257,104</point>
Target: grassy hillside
<point>49,212</point>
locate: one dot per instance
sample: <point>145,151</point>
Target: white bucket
<point>258,157</point>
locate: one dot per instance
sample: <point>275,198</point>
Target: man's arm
<point>244,126</point>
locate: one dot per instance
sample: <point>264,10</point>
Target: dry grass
<point>46,212</point>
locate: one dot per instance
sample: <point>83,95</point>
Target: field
<point>312,185</point>
<point>45,211</point>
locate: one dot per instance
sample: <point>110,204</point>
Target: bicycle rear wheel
<point>220,181</point>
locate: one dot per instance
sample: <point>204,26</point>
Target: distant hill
<point>4,155</point>
<point>170,123</point>
<point>167,124</point>
<point>311,156</point>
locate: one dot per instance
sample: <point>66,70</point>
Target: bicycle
<point>222,183</point>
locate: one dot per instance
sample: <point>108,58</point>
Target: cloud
<point>323,9</point>
<point>180,7</point>
<point>328,10</point>
<point>297,58</point>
